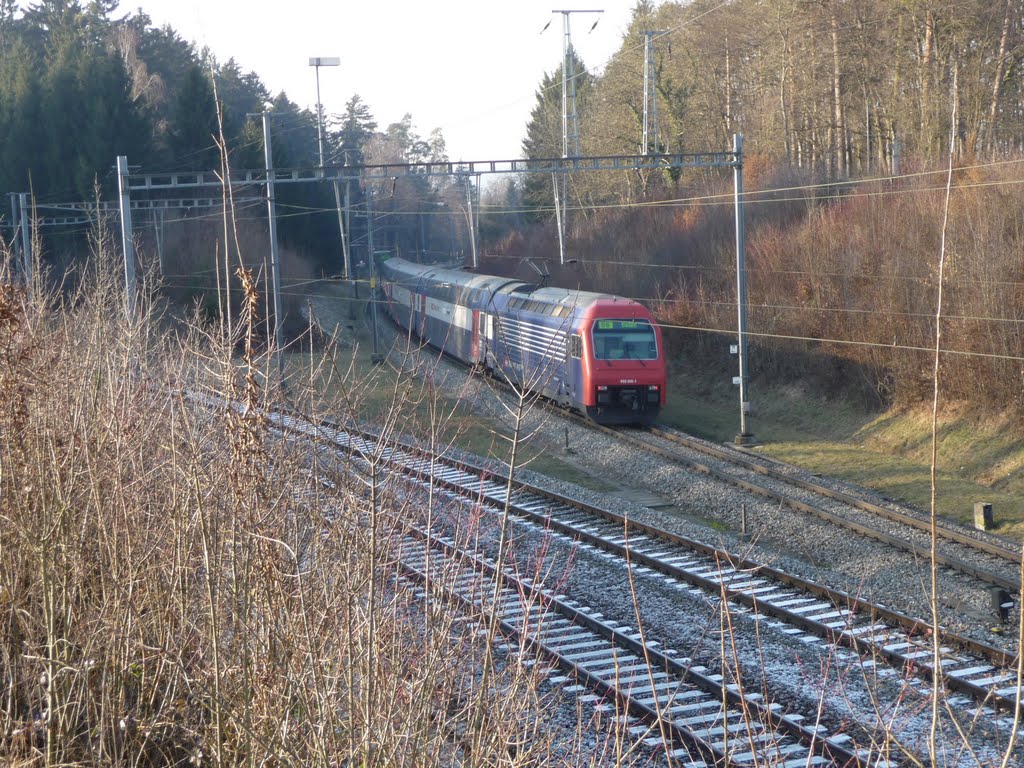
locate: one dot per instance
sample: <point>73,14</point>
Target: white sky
<point>468,67</point>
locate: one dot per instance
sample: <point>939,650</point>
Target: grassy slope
<point>981,458</point>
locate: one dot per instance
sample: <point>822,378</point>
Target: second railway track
<point>993,563</point>
<point>984,673</point>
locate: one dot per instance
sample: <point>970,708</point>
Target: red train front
<point>596,353</point>
<point>622,362</point>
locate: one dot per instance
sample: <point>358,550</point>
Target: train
<point>594,353</point>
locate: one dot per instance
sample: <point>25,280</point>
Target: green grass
<point>981,458</point>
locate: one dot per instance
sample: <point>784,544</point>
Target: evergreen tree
<point>240,94</point>
<point>21,140</point>
<point>544,132</point>
<point>193,138</point>
<point>357,127</point>
<point>110,123</point>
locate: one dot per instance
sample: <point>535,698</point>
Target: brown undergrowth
<point>181,585</point>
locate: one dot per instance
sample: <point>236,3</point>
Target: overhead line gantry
<point>199,180</point>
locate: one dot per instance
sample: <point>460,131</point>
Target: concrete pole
<point>26,242</point>
<point>647,90</point>
<point>558,221</point>
<point>127,243</point>
<point>15,245</point>
<point>319,119</point>
<point>470,219</point>
<point>347,270</point>
<point>275,271</point>
<point>158,232</point>
<point>376,358</point>
<point>744,437</point>
<point>346,245</point>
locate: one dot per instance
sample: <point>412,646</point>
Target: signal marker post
<point>744,437</point>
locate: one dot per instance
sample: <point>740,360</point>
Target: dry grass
<point>178,586</point>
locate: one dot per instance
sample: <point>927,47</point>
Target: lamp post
<point>317,62</point>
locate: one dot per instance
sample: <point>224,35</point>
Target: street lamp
<point>321,61</point>
<point>317,62</point>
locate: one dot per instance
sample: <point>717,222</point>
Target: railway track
<point>694,716</point>
<point>981,678</point>
<point>980,673</point>
<point>991,563</point>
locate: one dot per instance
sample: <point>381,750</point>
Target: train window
<point>624,340</point>
<point>575,346</point>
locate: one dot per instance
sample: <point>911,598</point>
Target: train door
<point>474,344</point>
<point>574,367</point>
<point>487,332</point>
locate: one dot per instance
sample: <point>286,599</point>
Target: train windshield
<point>624,340</point>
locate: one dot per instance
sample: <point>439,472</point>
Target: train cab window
<point>624,340</point>
<point>575,346</point>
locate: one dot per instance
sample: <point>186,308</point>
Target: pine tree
<point>193,139</point>
<point>357,127</point>
<point>544,133</point>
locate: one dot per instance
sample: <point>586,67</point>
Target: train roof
<point>555,295</point>
<point>451,274</point>
<point>457,276</point>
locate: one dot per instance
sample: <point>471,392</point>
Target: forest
<point>858,117</point>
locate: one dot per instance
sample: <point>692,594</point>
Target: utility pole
<point>570,118</point>
<point>744,437</point>
<point>275,270</point>
<point>127,242</point>
<point>650,93</point>
<point>317,62</point>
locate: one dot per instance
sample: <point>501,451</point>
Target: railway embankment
<point>980,456</point>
